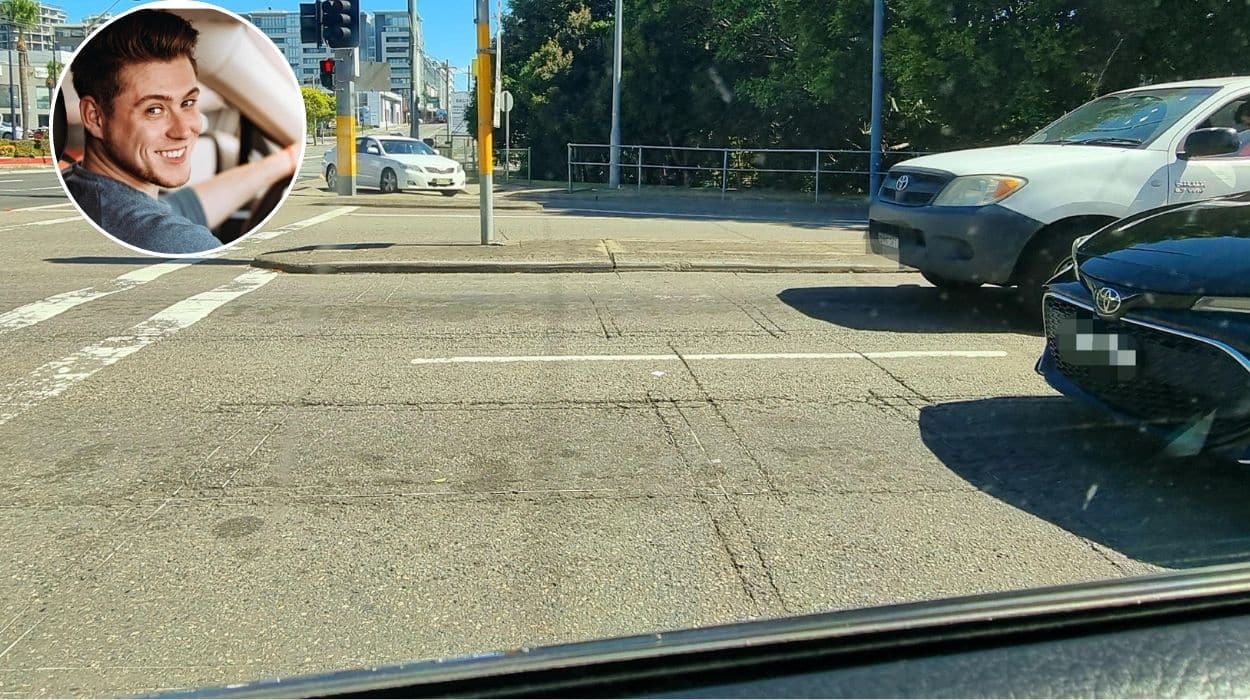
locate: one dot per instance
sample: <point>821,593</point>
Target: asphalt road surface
<point>215,473</point>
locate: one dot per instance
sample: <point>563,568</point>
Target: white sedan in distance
<point>397,163</point>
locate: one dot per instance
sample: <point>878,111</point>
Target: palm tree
<point>54,73</point>
<point>22,16</point>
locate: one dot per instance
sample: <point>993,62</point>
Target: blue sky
<point>449,33</point>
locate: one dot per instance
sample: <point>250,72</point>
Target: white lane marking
<point>8,181</point>
<point>57,304</point>
<point>33,189</point>
<point>58,376</point>
<point>44,206</point>
<point>45,222</point>
<point>313,221</point>
<point>44,309</point>
<point>886,355</point>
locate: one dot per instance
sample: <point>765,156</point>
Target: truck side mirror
<point>1210,142</point>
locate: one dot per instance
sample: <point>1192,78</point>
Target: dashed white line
<point>63,205</point>
<point>45,222</point>
<point>44,309</point>
<point>885,355</point>
<point>31,189</point>
<point>58,376</point>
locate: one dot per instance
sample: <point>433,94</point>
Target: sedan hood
<point>424,161</point>
<point>1199,249</point>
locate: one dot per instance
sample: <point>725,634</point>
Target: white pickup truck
<point>1008,215</point>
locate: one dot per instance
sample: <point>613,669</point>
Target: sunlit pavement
<point>216,473</point>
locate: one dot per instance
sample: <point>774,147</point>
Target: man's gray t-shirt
<point>175,224</point>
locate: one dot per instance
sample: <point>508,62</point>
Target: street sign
<point>505,99</point>
<point>458,113</point>
<point>374,76</point>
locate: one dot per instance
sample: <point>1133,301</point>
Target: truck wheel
<point>1044,262</point>
<point>949,285</point>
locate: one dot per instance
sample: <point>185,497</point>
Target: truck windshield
<point>1126,119</point>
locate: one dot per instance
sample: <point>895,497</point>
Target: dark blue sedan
<point>1152,324</point>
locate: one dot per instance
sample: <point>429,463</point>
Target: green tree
<point>54,68</point>
<point>319,105</point>
<point>22,16</point>
<point>797,73</point>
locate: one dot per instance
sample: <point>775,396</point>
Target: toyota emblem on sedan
<point>1108,301</point>
<point>901,183</point>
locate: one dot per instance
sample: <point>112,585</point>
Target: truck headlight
<point>978,190</point>
<point>1239,305</point>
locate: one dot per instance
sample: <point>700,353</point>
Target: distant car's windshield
<point>1126,119</point>
<point>406,148</point>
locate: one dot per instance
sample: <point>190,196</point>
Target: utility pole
<point>874,166</point>
<point>485,131</point>
<point>614,157</point>
<point>345,120</point>
<point>447,102</point>
<point>414,99</point>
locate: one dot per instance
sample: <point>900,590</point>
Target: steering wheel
<point>267,203</point>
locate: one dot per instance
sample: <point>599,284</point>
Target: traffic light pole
<point>345,120</point>
<point>485,122</point>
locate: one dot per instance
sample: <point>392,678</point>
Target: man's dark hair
<point>139,37</point>
<point>1242,111</point>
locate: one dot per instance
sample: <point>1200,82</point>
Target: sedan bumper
<point>1189,390</point>
<point>434,181</point>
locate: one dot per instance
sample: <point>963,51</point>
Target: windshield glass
<point>1127,119</point>
<point>405,148</point>
<point>723,335</point>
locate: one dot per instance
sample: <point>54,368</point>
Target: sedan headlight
<point>416,169</point>
<point>1239,305</point>
<point>978,190</point>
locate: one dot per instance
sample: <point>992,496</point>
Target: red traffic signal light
<point>327,73</point>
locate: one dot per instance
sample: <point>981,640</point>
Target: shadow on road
<point>1053,458</point>
<point>808,217</point>
<point>136,260</point>
<point>913,308</point>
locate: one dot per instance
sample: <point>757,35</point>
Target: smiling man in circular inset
<point>138,89</point>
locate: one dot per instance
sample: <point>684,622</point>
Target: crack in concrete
<point>606,322</point>
<point>776,331</point>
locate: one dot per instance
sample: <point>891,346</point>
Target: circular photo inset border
<point>178,128</point>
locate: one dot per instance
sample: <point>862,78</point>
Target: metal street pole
<point>414,99</point>
<point>874,167</point>
<point>614,157</point>
<point>345,120</point>
<point>485,128</point>
<point>447,102</point>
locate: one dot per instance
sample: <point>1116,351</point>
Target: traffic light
<point>327,73</point>
<point>340,23</point>
<point>310,23</point>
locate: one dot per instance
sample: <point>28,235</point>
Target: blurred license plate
<point>1098,347</point>
<point>440,182</point>
<point>887,240</point>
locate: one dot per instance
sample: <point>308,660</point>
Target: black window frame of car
<point>1242,96</point>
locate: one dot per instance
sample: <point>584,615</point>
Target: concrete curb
<point>549,267</point>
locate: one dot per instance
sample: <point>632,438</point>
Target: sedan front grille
<point>440,171</point>
<point>1178,378</point>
